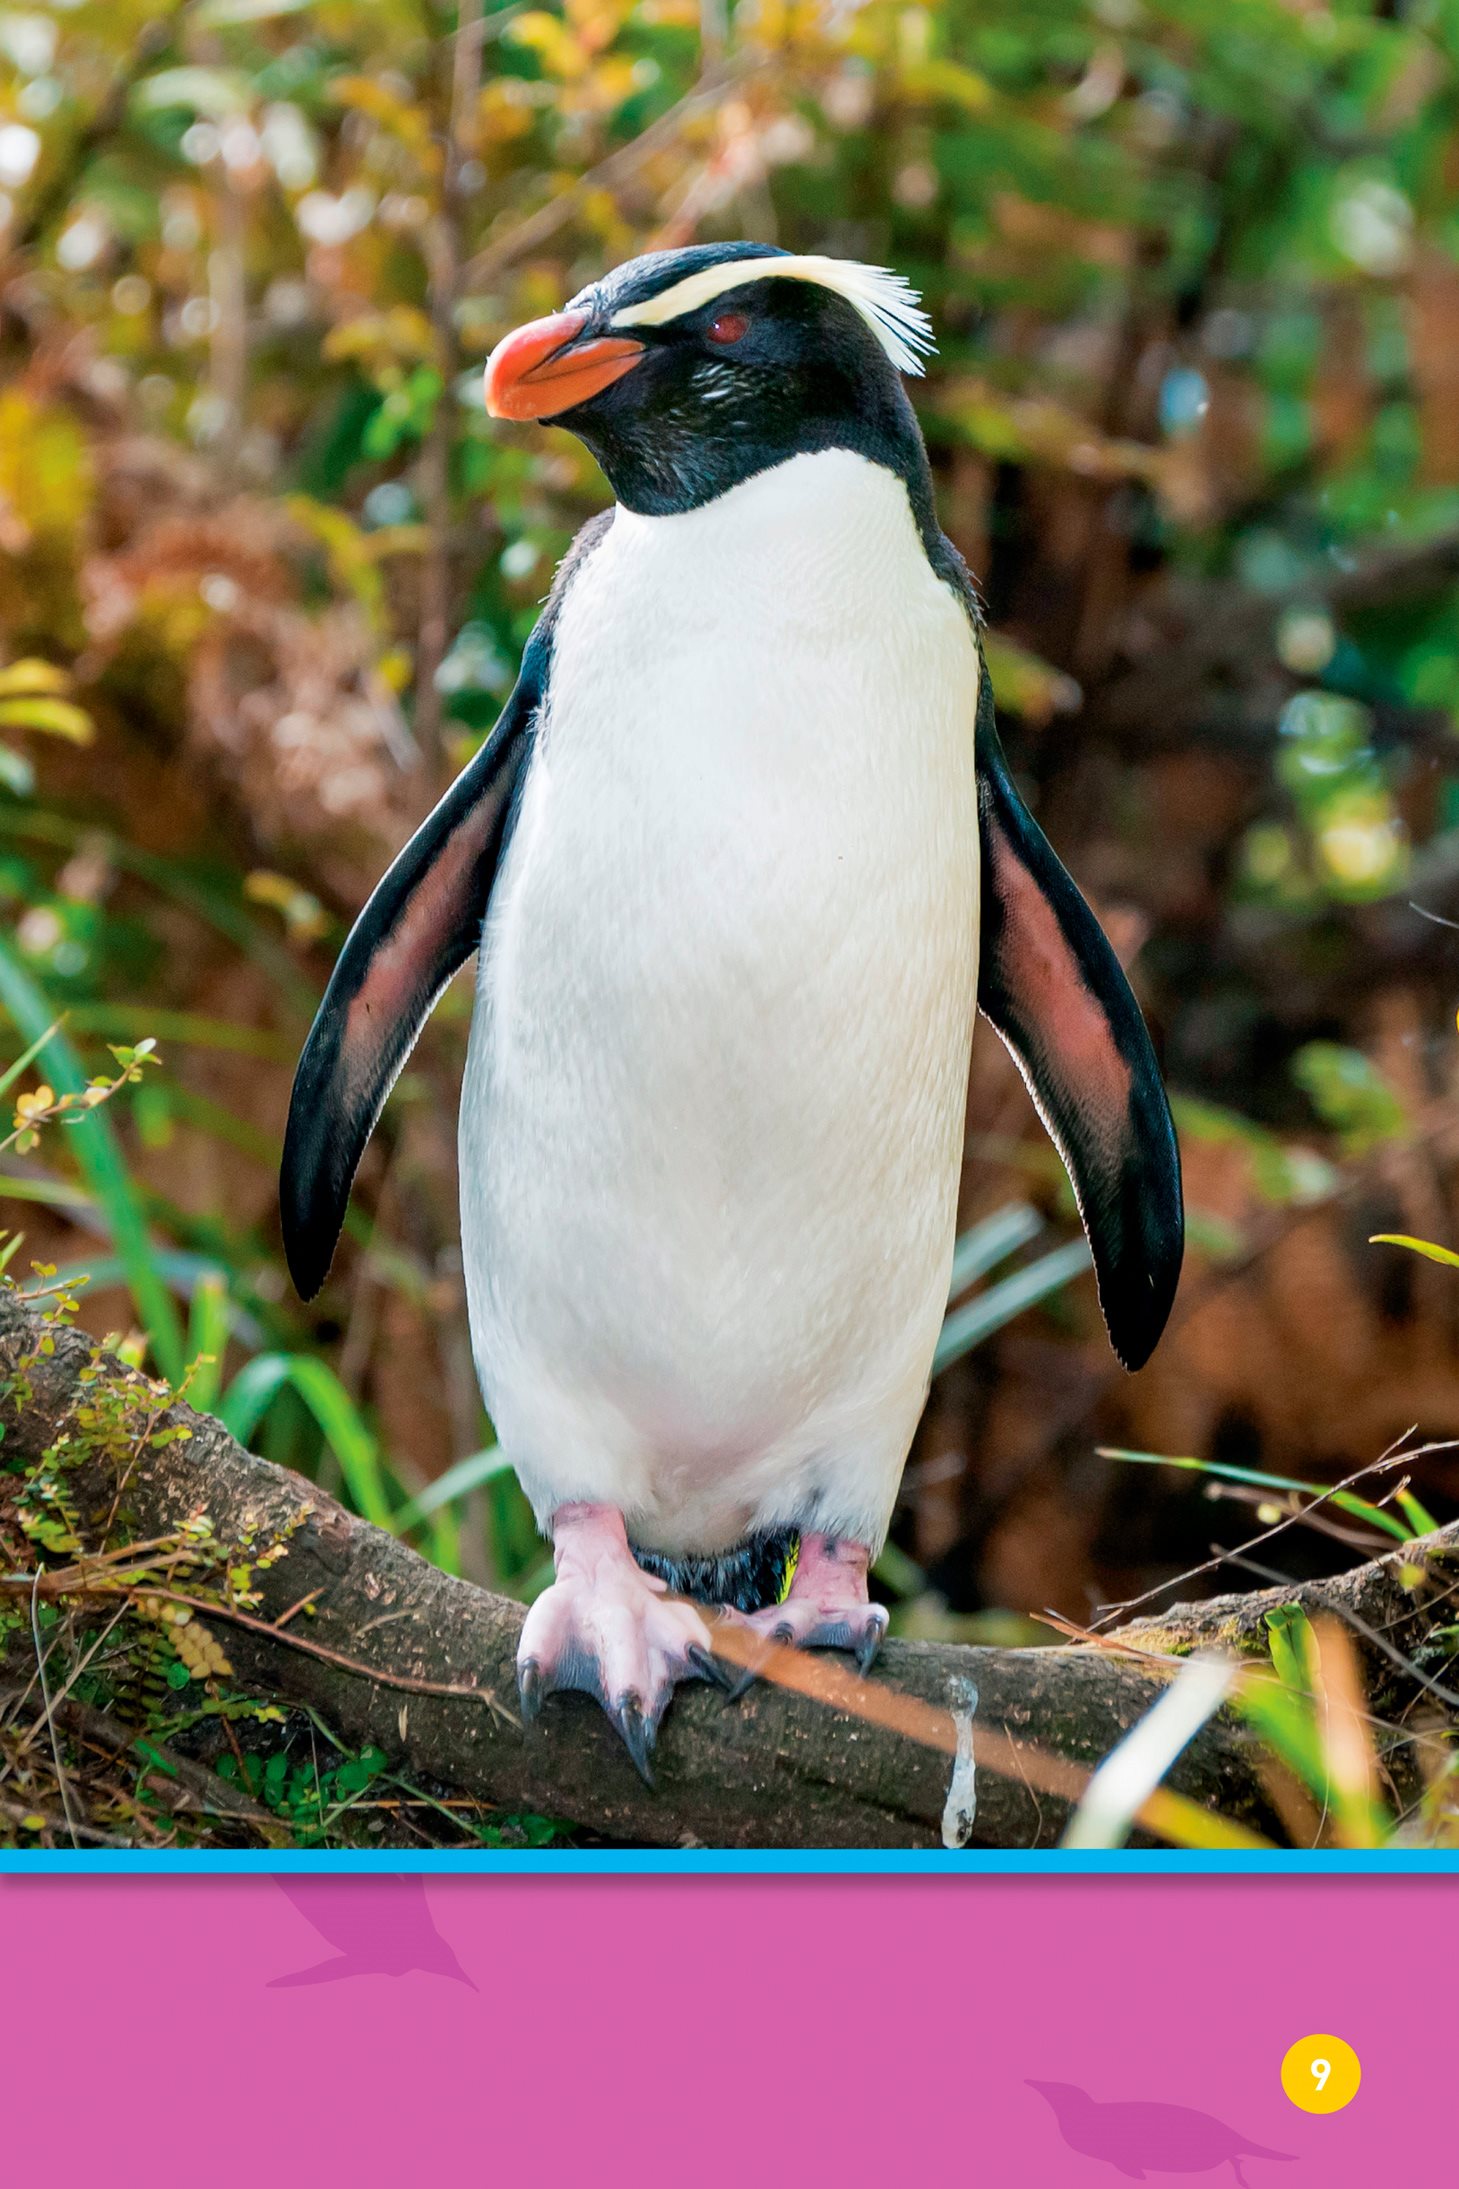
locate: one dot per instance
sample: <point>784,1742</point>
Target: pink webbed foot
<point>610,1630</point>
<point>827,1607</point>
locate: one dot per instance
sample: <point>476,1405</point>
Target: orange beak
<point>542,368</point>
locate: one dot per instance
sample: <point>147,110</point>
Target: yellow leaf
<point>55,717</point>
<point>45,466</point>
<point>303,913</point>
<point>560,53</point>
<point>948,80</point>
<point>33,675</point>
<point>1426,1247</point>
<point>1026,685</point>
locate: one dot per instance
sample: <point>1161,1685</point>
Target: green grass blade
<point>968,1326</point>
<point>102,1164</point>
<point>345,1430</point>
<point>992,1241</point>
<point>1348,1501</point>
<point>51,1193</point>
<point>1295,1727</point>
<point>339,1420</point>
<point>252,1392</point>
<point>457,1482</point>
<point>1418,1516</point>
<point>207,1339</point>
<point>1286,1722</point>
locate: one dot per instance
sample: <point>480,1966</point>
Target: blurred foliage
<point>266,570</point>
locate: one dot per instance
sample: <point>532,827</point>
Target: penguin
<point>740,862</point>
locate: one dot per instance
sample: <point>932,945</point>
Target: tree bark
<point>430,1678</point>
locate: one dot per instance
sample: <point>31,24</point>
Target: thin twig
<point>494,259</point>
<point>1393,1457</point>
<point>379,1673</point>
<point>40,1665</point>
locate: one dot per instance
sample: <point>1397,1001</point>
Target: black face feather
<point>697,415</point>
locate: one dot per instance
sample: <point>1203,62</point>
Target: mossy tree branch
<point>395,1653</point>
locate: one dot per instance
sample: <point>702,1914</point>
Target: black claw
<point>783,1632</point>
<point>529,1690</point>
<point>708,1666</point>
<point>868,1646</point>
<point>638,1734</point>
<point>743,1684</point>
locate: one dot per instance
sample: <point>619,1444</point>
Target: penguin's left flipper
<point>418,929</point>
<point>1056,993</point>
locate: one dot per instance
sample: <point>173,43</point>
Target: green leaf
<point>218,93</point>
<point>1350,1094</point>
<point>153,1757</point>
<point>1293,1646</point>
<point>216,14</point>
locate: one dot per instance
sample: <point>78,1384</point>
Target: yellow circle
<point>1321,2074</point>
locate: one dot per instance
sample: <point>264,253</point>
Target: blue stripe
<point>705,1862</point>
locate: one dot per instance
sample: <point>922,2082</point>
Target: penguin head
<point>1063,2097</point>
<point>686,372</point>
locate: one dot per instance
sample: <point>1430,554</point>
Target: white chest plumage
<point>712,1119</point>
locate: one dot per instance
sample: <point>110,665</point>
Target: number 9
<point>1321,2069</point>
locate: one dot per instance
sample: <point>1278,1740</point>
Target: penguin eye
<point>729,327</point>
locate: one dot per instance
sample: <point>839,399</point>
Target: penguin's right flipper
<point>418,929</point>
<point>420,926</point>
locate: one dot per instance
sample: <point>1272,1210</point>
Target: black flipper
<point>1054,990</point>
<point>418,929</point>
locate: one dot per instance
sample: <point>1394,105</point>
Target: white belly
<point>712,1120</point>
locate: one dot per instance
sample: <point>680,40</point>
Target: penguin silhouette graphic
<point>379,1926</point>
<point>1137,2138</point>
